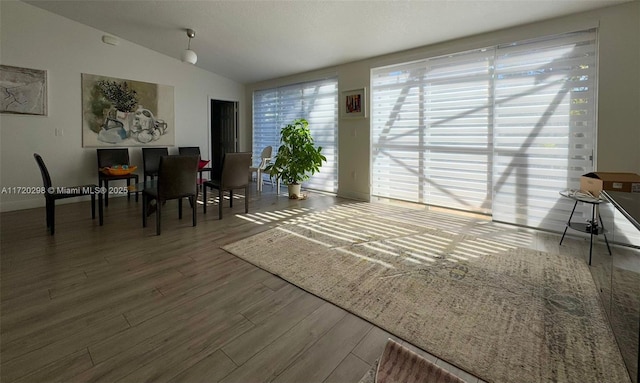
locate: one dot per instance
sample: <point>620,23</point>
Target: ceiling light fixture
<point>189,56</point>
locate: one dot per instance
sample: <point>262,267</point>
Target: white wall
<point>618,146</point>
<point>33,38</point>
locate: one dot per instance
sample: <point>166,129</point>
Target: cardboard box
<point>599,181</point>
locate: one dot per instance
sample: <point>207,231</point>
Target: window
<point>545,126</point>
<point>498,130</point>
<point>431,131</point>
<point>316,101</point>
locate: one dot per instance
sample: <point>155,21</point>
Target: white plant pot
<point>294,190</point>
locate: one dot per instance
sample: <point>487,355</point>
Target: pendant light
<point>189,56</point>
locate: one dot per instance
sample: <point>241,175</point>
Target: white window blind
<point>317,102</point>
<point>499,130</point>
<point>431,135</point>
<point>544,129</point>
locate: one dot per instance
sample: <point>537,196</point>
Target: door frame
<point>210,99</point>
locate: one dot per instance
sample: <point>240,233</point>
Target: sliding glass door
<point>316,101</point>
<point>498,130</point>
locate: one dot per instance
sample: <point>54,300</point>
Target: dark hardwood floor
<point>119,304</point>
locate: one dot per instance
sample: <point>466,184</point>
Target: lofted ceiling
<point>250,41</point>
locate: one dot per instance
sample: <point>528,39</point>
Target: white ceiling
<point>250,41</point>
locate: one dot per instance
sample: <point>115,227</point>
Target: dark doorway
<point>224,130</point>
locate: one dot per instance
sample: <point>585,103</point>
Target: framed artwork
<point>23,91</point>
<point>118,112</point>
<point>353,103</point>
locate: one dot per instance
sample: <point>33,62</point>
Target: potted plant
<point>297,158</point>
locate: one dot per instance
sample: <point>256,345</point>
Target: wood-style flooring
<point>119,304</point>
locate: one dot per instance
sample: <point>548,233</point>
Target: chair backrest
<point>177,176</point>
<point>151,158</point>
<point>265,156</point>
<point>235,170</point>
<point>46,178</point>
<point>189,150</point>
<point>266,152</point>
<point>110,157</point>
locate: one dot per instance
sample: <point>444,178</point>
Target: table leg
<point>568,222</point>
<point>593,217</point>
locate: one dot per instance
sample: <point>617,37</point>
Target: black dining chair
<point>151,161</point>
<point>234,175</point>
<point>111,157</point>
<point>176,180</point>
<point>195,151</point>
<point>189,150</point>
<point>52,194</point>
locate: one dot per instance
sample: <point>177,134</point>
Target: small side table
<point>592,227</point>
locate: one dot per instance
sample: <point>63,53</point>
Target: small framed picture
<point>353,103</point>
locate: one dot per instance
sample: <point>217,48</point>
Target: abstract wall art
<point>23,90</point>
<point>353,103</point>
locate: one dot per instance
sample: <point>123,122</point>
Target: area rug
<point>500,312</point>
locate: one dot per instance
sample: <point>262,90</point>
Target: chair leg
<point>100,210</point>
<point>231,198</point>
<point>144,210</point>
<point>179,208</point>
<point>128,189</point>
<point>47,211</point>
<point>220,194</point>
<point>193,208</point>
<point>259,180</point>
<point>158,215</point>
<point>137,192</point>
<point>93,206</point>
<point>204,199</point>
<point>246,199</point>
<point>106,193</point>
<point>52,213</point>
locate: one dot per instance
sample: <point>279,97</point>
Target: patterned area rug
<point>498,311</point>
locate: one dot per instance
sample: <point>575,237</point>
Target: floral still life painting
<point>117,112</point>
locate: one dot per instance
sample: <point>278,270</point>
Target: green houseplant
<point>298,158</point>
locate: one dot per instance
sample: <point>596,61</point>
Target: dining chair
<point>176,180</point>
<point>195,151</point>
<point>265,158</point>
<point>52,194</point>
<point>189,150</point>
<point>111,157</point>
<point>151,161</point>
<point>234,175</point>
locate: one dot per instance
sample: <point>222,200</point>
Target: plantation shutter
<point>317,102</point>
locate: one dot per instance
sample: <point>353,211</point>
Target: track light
<point>189,56</point>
